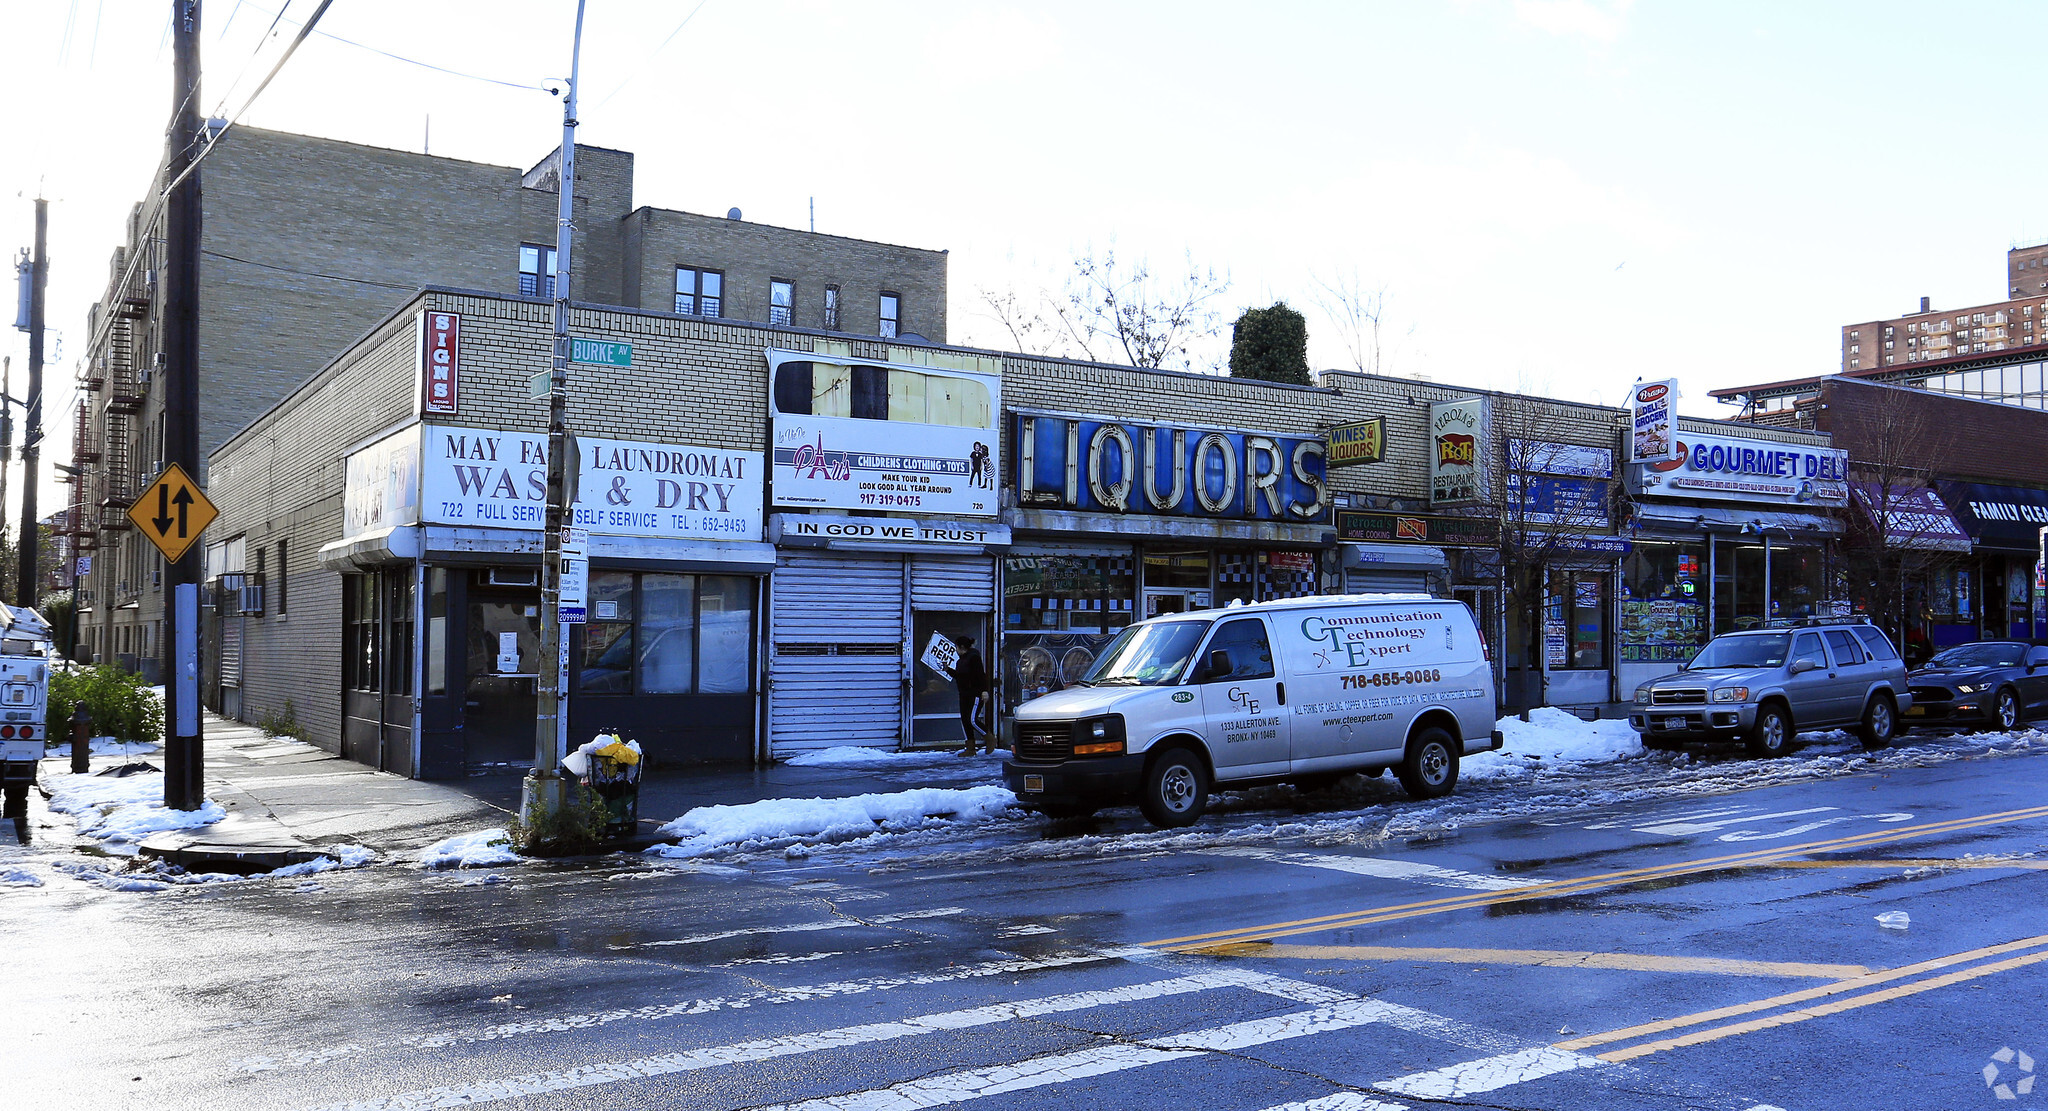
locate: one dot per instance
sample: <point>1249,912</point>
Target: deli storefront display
<point>1729,534</point>
<point>1995,592</point>
<point>1118,521</point>
<point>441,554</point>
<point>884,478</point>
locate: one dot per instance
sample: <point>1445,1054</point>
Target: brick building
<point>308,243</point>
<point>788,526</point>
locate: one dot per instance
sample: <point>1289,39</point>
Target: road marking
<point>1787,1018</point>
<point>804,927</point>
<point>1844,987</point>
<point>1934,862</point>
<point>1809,827</point>
<point>972,1084</point>
<point>1380,868</point>
<point>1556,888</point>
<point>1341,1101</point>
<point>1691,828</point>
<point>1626,962</point>
<point>763,998</point>
<point>1490,1073</point>
<point>587,1076</point>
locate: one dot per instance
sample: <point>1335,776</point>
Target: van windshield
<point>1148,655</point>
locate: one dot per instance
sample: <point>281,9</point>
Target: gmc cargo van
<point>1306,690</point>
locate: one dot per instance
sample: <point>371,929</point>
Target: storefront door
<point>503,662</point>
<point>934,696</point>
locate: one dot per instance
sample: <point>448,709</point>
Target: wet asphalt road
<point>1635,948</point>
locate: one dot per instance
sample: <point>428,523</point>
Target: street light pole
<point>542,791</point>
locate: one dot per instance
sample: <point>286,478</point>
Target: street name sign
<point>172,512</point>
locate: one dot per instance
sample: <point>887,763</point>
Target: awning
<point>2008,518</point>
<point>1911,516</point>
<point>490,546</point>
<point>1392,557</point>
<point>1778,524</point>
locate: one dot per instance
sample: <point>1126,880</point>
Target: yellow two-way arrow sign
<point>172,512</point>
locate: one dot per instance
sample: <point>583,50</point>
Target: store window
<point>658,633</point>
<point>361,646</point>
<point>1575,620</point>
<point>1062,592</point>
<point>1951,594</point>
<point>1663,603</point>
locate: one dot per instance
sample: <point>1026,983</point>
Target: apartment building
<point>308,243</point>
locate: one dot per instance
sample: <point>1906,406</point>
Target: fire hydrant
<point>81,741</point>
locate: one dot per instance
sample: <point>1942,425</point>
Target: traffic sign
<point>172,512</point>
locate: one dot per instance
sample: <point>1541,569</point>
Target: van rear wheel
<point>1176,789</point>
<point>1430,770</point>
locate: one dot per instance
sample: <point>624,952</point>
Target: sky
<point>1560,196</point>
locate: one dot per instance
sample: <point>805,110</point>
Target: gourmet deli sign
<point>1086,463</point>
<point>478,477</point>
<point>1728,469</point>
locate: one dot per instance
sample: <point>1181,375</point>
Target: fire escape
<point>123,400</point>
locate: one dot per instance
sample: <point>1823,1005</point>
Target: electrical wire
<point>642,67</point>
<point>409,61</point>
<point>267,78</point>
<point>303,273</point>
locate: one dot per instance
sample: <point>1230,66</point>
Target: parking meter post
<point>81,741</point>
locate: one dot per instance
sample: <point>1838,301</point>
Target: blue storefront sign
<point>1083,463</point>
<point>1569,502</point>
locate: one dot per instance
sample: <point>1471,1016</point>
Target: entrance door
<point>1160,602</point>
<point>1245,720</point>
<point>934,698</point>
<point>503,663</point>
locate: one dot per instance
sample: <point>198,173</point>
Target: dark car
<point>1992,684</point>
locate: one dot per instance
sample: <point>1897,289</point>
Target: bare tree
<point>1358,315</point>
<point>1109,309</point>
<point>1024,320</point>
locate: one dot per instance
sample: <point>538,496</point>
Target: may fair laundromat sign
<point>492,479</point>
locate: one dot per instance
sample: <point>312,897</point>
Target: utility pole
<point>32,433</point>
<point>542,791</point>
<point>184,750</point>
<point>6,437</point>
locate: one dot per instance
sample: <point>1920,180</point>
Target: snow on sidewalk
<point>1550,739</point>
<point>484,848</point>
<point>774,822</point>
<point>122,810</point>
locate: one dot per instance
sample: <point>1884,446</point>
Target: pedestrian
<point>970,678</point>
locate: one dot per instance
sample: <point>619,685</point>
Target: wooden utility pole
<point>32,433</point>
<point>184,751</point>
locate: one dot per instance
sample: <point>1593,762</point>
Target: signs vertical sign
<point>440,361</point>
<point>1653,433</point>
<point>572,603</point>
<point>1456,429</point>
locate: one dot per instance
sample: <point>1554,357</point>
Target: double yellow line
<point>1558,888</point>
<point>1843,995</point>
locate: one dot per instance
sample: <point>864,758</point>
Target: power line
<point>413,61</point>
<point>267,78</point>
<point>302,273</point>
<point>642,67</point>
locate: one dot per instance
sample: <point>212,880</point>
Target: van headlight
<point>1732,694</point>
<point>1103,736</point>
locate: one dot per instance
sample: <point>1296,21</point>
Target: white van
<point>1305,690</point>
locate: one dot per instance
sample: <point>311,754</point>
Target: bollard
<point>81,741</point>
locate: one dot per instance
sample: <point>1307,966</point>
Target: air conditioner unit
<point>514,576</point>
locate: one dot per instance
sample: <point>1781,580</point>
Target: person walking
<point>970,678</point>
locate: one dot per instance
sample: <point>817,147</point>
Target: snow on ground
<point>484,848</point>
<point>877,758</point>
<point>1549,739</point>
<point>774,823</point>
<point>103,746</point>
<point>122,810</point>
<point>157,875</point>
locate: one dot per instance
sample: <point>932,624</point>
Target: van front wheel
<point>1176,789</point>
<point>1430,770</point>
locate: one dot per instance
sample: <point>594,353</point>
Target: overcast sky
<point>1558,195</point>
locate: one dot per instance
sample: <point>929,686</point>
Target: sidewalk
<point>286,800</point>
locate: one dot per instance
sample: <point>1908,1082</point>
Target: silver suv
<point>1766,685</point>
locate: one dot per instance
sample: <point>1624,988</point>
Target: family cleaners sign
<point>477,477</point>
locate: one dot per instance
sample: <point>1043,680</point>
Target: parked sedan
<point>1993,684</point>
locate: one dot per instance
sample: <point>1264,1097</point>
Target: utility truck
<point>24,702</point>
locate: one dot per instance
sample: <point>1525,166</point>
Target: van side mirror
<point>1218,666</point>
<point>1804,664</point>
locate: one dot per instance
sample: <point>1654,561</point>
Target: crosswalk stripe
<point>1341,1101</point>
<point>1380,868</point>
<point>585,1076</point>
<point>1060,1068</point>
<point>765,997</point>
<point>1468,1078</point>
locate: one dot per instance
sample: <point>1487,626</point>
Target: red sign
<point>440,362</point>
<point>1292,561</point>
<point>1456,449</point>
